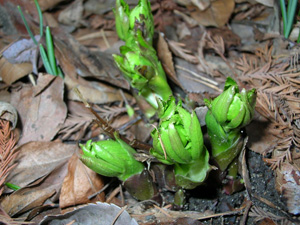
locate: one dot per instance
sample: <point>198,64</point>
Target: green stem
<point>290,14</point>
<point>45,60</point>
<point>38,8</point>
<point>27,26</point>
<point>50,50</point>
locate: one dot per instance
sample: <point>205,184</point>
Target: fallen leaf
<point>8,112</point>
<point>41,114</point>
<point>33,196</point>
<point>72,15</point>
<point>100,213</point>
<point>80,183</point>
<point>165,56</point>
<point>217,14</point>
<point>77,122</point>
<point>13,72</point>
<point>288,185</point>
<point>179,50</point>
<point>37,159</point>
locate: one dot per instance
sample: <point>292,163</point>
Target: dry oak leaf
<point>38,159</point>
<point>217,14</point>
<point>79,184</point>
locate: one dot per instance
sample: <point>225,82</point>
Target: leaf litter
<point>52,120</point>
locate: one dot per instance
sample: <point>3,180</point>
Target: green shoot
<point>40,17</point>
<point>46,60</point>
<point>27,26</point>
<point>12,186</point>
<point>50,50</point>
<point>288,16</point>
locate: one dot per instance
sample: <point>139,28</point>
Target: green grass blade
<point>292,5</point>
<point>12,186</point>
<point>60,73</point>
<point>283,14</point>
<point>45,60</point>
<point>38,8</point>
<point>50,51</point>
<point>27,26</point>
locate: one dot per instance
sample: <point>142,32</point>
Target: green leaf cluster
<point>111,158</point>
<point>138,60</point>
<point>178,140</point>
<point>227,115</point>
<point>48,57</point>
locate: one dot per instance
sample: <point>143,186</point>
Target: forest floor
<point>199,43</point>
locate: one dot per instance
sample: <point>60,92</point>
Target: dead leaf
<point>217,14</point>
<point>48,4</point>
<point>165,56</point>
<point>13,72</point>
<point>8,112</point>
<point>36,194</point>
<point>41,115</point>
<point>179,50</point>
<point>288,185</point>
<point>23,51</point>
<point>72,15</point>
<point>37,159</point>
<point>201,4</point>
<point>96,64</point>
<point>77,122</point>
<point>79,183</point>
<point>100,213</point>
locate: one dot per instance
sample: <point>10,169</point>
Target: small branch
<point>108,130</point>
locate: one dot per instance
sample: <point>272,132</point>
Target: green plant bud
<point>141,18</point>
<point>231,109</point>
<point>178,138</point>
<point>227,114</point>
<point>122,13</point>
<point>111,158</point>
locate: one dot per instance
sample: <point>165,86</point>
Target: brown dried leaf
<point>25,199</point>
<point>288,185</point>
<point>72,15</point>
<point>48,4</point>
<point>8,112</point>
<point>77,58</point>
<point>37,159</point>
<point>178,49</point>
<point>41,114</point>
<point>77,121</point>
<point>79,183</point>
<point>36,194</point>
<point>165,56</point>
<point>13,72</point>
<point>99,213</point>
<point>216,15</point>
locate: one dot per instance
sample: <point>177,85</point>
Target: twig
<point>108,129</point>
<point>113,194</point>
<point>100,191</point>
<point>197,75</point>
<point>119,214</point>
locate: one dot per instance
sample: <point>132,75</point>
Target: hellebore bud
<point>111,158</point>
<point>226,115</point>
<point>122,13</point>
<point>142,69</point>
<point>178,138</point>
<point>231,109</point>
<point>129,21</point>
